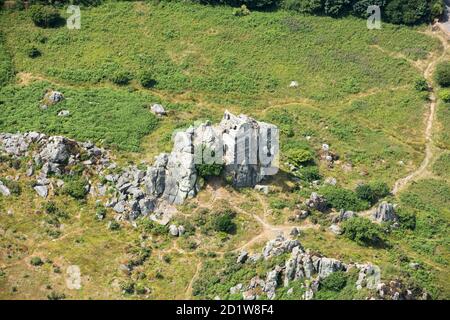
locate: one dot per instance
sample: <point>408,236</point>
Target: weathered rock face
<point>250,148</point>
<point>181,174</point>
<point>385,213</point>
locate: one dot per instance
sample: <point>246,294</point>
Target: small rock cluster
<point>317,202</point>
<point>329,156</point>
<point>55,155</point>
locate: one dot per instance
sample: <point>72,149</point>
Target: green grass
<point>6,67</point>
<point>442,166</point>
<point>209,51</point>
<point>117,118</point>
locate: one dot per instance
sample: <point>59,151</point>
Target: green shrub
<point>121,78</point>
<point>147,79</point>
<point>444,94</point>
<point>76,188</point>
<point>334,282</point>
<point>407,220</point>
<point>299,157</point>
<point>36,261</point>
<point>340,198</point>
<point>303,6</point>
<point>363,231</point>
<point>44,16</point>
<point>407,12</point>
<point>310,173</point>
<point>56,296</point>
<point>152,227</point>
<point>113,225</point>
<point>442,74</point>
<point>33,52</point>
<point>222,221</point>
<point>421,84</point>
<point>372,192</point>
<point>241,11</point>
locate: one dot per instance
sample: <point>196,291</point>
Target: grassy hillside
<point>356,92</point>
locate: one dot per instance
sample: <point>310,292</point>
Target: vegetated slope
<point>359,82</point>
<point>356,92</point>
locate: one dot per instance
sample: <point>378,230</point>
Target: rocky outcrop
<point>311,269</point>
<point>153,190</point>
<point>317,202</point>
<point>385,213</point>
<point>52,157</point>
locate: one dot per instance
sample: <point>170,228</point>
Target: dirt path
<point>429,146</point>
<point>191,283</point>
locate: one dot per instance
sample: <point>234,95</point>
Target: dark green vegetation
<point>6,66</point>
<point>442,74</point>
<point>395,11</point>
<point>44,16</point>
<point>363,231</point>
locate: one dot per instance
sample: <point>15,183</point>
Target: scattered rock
<point>236,289</point>
<point>42,191</point>
<point>4,190</point>
<point>293,84</point>
<point>173,230</point>
<point>336,229</point>
<point>158,109</point>
<point>73,278</point>
<point>262,188</point>
<point>54,97</point>
<point>331,181</point>
<point>242,257</point>
<point>317,202</point>
<point>64,113</point>
<point>294,232</point>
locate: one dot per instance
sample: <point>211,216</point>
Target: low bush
<point>372,192</point>
<point>444,94</point>
<point>222,221</point>
<point>147,79</point>
<point>363,231</point>
<point>310,173</point>
<point>421,84</point>
<point>36,261</point>
<point>121,78</point>
<point>44,16</point>
<point>33,52</point>
<point>442,74</point>
<point>334,282</point>
<point>340,198</point>
<point>299,157</point>
<point>76,188</point>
